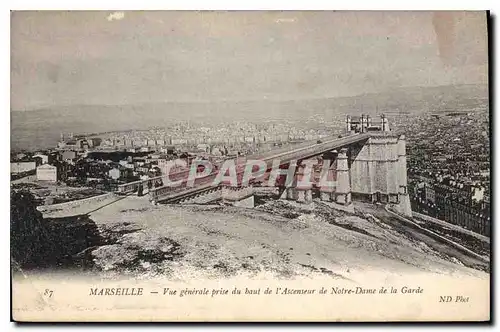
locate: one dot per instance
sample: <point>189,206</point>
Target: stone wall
<point>77,203</point>
<point>234,194</point>
<point>248,202</point>
<point>204,197</point>
<point>237,196</point>
<point>374,167</point>
<point>22,166</point>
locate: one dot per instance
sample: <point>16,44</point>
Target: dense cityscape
<point>448,164</point>
<point>449,167</point>
<point>106,160</point>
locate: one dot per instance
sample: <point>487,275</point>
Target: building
<point>114,173</point>
<point>457,204</point>
<point>477,194</point>
<point>46,172</point>
<point>430,193</point>
<point>68,155</point>
<point>120,173</point>
<point>44,159</point>
<point>72,144</point>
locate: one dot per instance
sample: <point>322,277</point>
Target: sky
<point>131,57</point>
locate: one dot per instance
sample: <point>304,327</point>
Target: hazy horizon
<point>41,129</point>
<point>276,100</point>
<point>60,59</point>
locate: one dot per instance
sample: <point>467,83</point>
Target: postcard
<point>250,166</point>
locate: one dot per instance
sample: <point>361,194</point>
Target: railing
<point>150,182</point>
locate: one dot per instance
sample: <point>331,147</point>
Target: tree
<point>26,229</point>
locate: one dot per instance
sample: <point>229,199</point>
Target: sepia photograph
<point>246,166</point>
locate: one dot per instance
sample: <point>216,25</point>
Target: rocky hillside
<point>280,237</point>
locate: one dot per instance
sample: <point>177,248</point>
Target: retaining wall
<point>437,236</point>
<point>76,203</point>
<point>450,225</point>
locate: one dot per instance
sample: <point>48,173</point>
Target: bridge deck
<point>284,155</point>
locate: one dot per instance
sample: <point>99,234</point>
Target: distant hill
<point>42,127</point>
